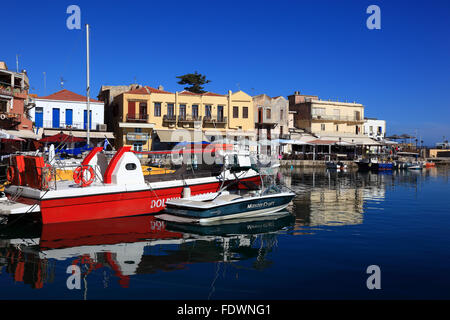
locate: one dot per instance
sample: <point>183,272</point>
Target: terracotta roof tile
<point>66,95</point>
<point>212,94</point>
<point>146,90</point>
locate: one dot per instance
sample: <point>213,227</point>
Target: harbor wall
<point>312,164</point>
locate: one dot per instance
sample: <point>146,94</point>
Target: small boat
<point>223,205</point>
<point>367,165</point>
<point>430,164</point>
<point>385,166</point>
<point>415,166</point>
<point>374,165</point>
<point>332,165</point>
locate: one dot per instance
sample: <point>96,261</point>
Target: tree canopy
<point>195,82</point>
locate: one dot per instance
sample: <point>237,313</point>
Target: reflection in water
<point>110,253</point>
<point>330,198</point>
<point>124,247</point>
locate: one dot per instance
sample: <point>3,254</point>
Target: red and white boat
<point>105,188</point>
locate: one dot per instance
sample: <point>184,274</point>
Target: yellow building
<point>330,118</point>
<point>148,118</point>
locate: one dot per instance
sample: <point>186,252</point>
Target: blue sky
<point>400,73</point>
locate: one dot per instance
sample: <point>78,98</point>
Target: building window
<point>182,111</point>
<point>208,111</point>
<point>195,111</point>
<point>137,146</point>
<point>245,112</point>
<point>380,130</point>
<point>322,126</point>
<point>318,112</point>
<point>170,109</point>
<point>337,127</point>
<point>268,114</point>
<point>235,112</point>
<point>336,114</point>
<point>138,130</point>
<point>157,109</point>
<point>220,116</point>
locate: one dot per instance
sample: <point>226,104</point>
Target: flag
<point>105,144</point>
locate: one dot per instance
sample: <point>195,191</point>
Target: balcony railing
<point>209,119</point>
<point>137,117</point>
<point>63,125</point>
<point>335,118</point>
<point>189,118</point>
<point>169,118</point>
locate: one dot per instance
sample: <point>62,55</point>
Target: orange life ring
<point>80,176</point>
<point>10,174</point>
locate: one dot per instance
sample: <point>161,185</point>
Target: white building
<point>374,128</point>
<point>67,110</point>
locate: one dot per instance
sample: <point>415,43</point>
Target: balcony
<point>170,118</point>
<point>218,120</point>
<point>335,118</point>
<point>137,117</point>
<point>189,118</point>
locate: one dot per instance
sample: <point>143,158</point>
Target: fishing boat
<point>103,188</point>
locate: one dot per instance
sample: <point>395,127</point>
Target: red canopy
<point>61,137</point>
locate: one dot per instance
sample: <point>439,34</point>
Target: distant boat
<point>333,165</point>
<point>374,165</point>
<point>415,166</point>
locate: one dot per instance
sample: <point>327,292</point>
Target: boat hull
<point>114,205</point>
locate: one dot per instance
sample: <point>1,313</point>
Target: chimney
<point>297,93</point>
<point>160,87</point>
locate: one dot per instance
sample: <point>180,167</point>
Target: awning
<point>26,134</point>
<point>81,134</point>
<point>180,136</point>
<point>231,133</point>
<point>321,142</point>
<point>290,141</point>
<point>361,141</point>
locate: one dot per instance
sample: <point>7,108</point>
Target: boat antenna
<point>88,89</point>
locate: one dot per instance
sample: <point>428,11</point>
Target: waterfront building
<point>146,118</point>
<point>271,122</point>
<point>15,103</point>
<point>330,118</point>
<point>374,128</point>
<point>67,111</point>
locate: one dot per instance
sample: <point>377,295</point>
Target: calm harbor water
<point>339,224</point>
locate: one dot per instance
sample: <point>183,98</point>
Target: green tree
<point>195,80</point>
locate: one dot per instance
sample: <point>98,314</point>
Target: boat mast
<point>88,89</point>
